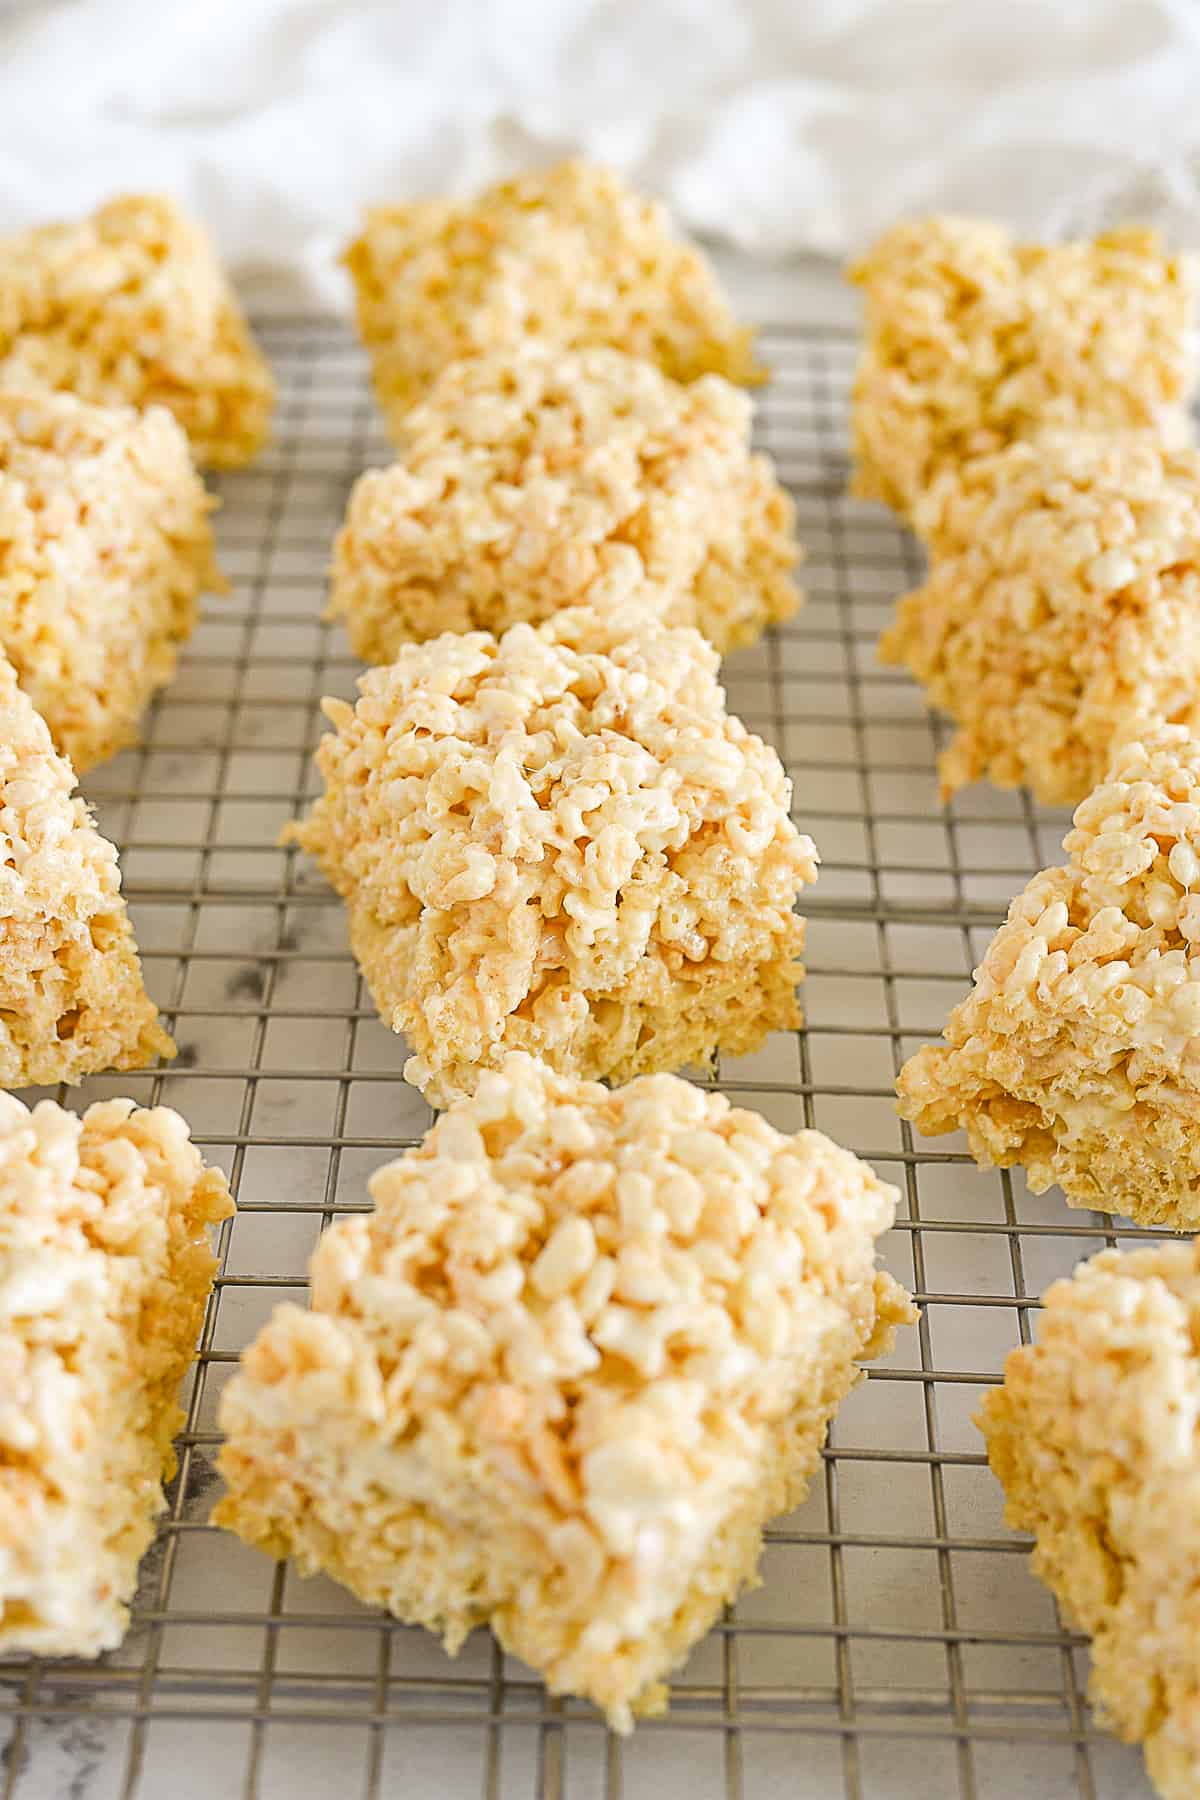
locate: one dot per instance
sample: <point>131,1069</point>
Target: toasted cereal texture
<point>1077,1052</point>
<point>974,341</point>
<point>105,1273</point>
<point>535,478</point>
<point>104,546</point>
<point>71,995</point>
<point>568,254</point>
<point>584,1348</point>
<point>131,307</point>
<point>1061,613</point>
<point>559,841</point>
<point>1093,1435</point>
<point>105,1269</point>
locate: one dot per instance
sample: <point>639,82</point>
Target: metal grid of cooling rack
<point>898,1646</point>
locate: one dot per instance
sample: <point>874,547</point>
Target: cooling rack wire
<point>898,1648</point>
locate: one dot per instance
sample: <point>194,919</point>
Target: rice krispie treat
<point>535,478</point>
<point>71,995</point>
<point>1077,1052</point>
<point>130,306</point>
<point>1062,608</point>
<point>584,1348</point>
<point>568,254</point>
<point>559,841</point>
<point>974,340</point>
<point>1093,1435</point>
<point>105,1270</point>
<point>104,546</point>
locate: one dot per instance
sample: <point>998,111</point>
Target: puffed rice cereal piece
<point>104,546</point>
<point>974,341</point>
<point>1077,1052</point>
<point>585,1347</point>
<point>105,1271</point>
<point>131,307</point>
<point>535,478</point>
<point>1061,613</point>
<point>71,995</point>
<point>1093,1436</point>
<point>568,254</point>
<point>559,841</point>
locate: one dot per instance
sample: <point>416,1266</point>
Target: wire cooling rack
<point>898,1647</point>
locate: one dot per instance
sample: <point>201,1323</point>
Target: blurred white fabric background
<point>773,125</point>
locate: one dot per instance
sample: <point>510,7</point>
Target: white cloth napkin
<point>774,125</point>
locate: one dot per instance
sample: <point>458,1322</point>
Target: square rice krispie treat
<point>105,1270</point>
<point>567,254</point>
<point>974,341</point>
<point>560,841</point>
<point>104,546</point>
<point>585,1347</point>
<point>1077,1052</point>
<point>1094,1437</point>
<point>131,307</point>
<point>1062,608</point>
<point>536,478</point>
<point>71,995</point>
